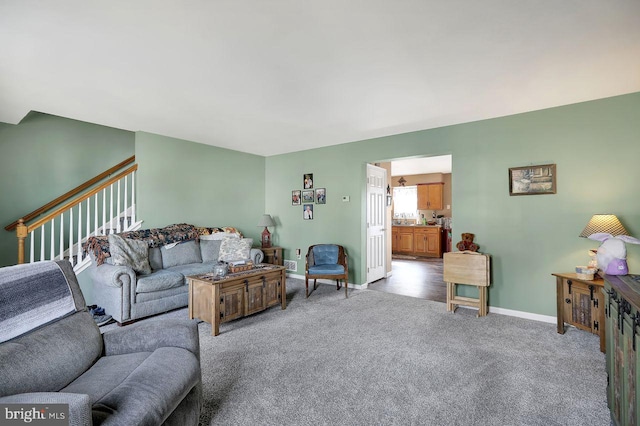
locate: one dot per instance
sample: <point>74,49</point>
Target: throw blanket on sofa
<point>155,237</point>
<point>32,295</point>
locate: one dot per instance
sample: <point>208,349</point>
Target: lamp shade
<point>266,220</point>
<point>607,223</point>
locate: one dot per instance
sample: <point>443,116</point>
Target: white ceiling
<point>270,77</point>
<point>418,166</point>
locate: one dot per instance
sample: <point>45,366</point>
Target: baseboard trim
<point>330,282</point>
<point>492,309</point>
<point>522,314</point>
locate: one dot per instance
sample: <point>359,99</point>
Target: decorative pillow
<point>219,236</point>
<point>210,250</point>
<point>182,253</point>
<point>155,258</point>
<point>235,249</point>
<point>131,253</point>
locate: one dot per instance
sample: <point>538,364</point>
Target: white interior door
<point>376,253</point>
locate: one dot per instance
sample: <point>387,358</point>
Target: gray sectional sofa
<point>128,295</point>
<point>52,352</point>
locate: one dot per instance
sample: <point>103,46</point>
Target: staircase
<point>103,205</point>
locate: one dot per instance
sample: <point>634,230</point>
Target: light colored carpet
<point>384,359</point>
<point>378,358</point>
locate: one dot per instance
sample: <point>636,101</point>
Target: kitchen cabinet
<point>417,240</point>
<point>426,242</point>
<point>405,240</point>
<point>430,196</point>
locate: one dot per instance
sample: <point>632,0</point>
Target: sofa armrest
<point>151,335</point>
<point>257,255</point>
<point>113,276</point>
<point>79,404</point>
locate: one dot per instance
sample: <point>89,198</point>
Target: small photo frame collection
<point>308,196</point>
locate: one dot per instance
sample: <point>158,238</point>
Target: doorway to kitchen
<point>418,231</point>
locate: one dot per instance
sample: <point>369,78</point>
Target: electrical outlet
<point>298,255</point>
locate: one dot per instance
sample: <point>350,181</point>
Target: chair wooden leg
<point>306,285</point>
<point>346,288</point>
<point>315,285</point>
<point>338,286</point>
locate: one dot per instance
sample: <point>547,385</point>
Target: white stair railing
<point>47,235</point>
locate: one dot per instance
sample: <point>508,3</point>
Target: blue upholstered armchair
<point>327,261</point>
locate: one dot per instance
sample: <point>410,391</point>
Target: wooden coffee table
<point>217,300</point>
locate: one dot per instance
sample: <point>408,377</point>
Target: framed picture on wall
<point>295,197</point>
<point>532,180</point>
<point>307,196</point>
<point>308,181</point>
<point>307,211</point>
<point>321,196</point>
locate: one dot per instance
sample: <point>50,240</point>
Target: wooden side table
<point>580,303</point>
<point>273,255</point>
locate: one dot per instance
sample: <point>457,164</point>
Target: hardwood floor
<point>420,278</point>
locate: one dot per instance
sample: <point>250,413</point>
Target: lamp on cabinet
<point>266,221</point>
<point>607,223</point>
<point>602,223</point>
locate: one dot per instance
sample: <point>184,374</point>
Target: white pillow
<point>235,249</point>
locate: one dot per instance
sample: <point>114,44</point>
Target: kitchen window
<point>405,201</point>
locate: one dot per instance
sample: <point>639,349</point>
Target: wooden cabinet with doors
<point>580,303</point>
<point>405,239</point>
<point>426,242</point>
<point>417,240</point>
<point>220,299</point>
<point>622,325</point>
<point>430,196</point>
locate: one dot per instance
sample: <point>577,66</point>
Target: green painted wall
<point>596,146</point>
<point>185,182</point>
<point>45,156</point>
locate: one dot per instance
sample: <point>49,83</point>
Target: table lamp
<point>266,220</point>
<point>605,223</point>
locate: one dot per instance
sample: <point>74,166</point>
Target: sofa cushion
<point>125,387</point>
<point>180,254</point>
<point>155,258</point>
<point>193,269</point>
<point>235,249</point>
<point>131,253</point>
<point>210,250</point>
<point>159,280</point>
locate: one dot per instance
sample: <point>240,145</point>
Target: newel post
<point>21,232</point>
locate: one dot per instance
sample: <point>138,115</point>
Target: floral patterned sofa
<point>141,273</point>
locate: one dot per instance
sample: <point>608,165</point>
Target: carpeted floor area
<point>385,359</point>
<point>378,358</point>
